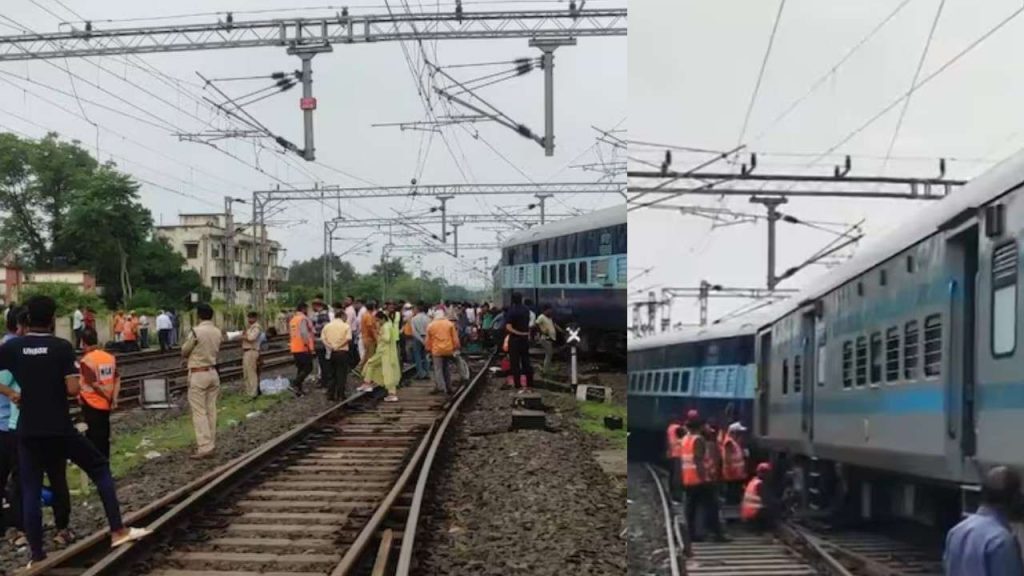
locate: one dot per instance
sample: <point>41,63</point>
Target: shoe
<point>391,398</point>
<point>131,535</point>
<point>20,540</point>
<point>64,537</point>
<point>365,388</point>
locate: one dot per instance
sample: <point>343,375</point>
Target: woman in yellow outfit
<point>383,367</point>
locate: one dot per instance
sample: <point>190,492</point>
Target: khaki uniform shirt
<point>202,345</point>
<point>251,336</point>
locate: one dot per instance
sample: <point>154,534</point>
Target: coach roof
<point>745,327</point>
<point>602,218</point>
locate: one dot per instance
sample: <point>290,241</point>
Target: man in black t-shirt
<point>517,324</point>
<point>44,366</point>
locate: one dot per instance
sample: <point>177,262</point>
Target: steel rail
<point>229,473</point>
<point>669,532</point>
<point>412,522</point>
<point>817,547</point>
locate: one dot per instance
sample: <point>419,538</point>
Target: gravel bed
<point>163,475</point>
<point>648,550</point>
<point>522,503</point>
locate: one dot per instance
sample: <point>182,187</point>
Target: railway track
<point>794,549</point>
<point>337,495</point>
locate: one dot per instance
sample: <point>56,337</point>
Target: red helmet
<point>764,467</point>
<point>692,416</point>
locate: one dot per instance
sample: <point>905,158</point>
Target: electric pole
<point>772,203</point>
<point>229,254</point>
<point>541,198</point>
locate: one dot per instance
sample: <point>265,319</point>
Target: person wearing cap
<point>759,507</point>
<point>734,463</point>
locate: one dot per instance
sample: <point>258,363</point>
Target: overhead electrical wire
<point>760,74</point>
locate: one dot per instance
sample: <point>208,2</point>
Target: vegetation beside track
<point>590,419</point>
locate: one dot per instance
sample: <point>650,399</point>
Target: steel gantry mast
<point>307,37</point>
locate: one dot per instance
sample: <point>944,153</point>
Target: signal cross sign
<point>574,336</point>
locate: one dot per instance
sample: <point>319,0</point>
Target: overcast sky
<point>693,66</point>
<point>356,86</point>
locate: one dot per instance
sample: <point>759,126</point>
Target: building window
<point>862,361</point>
<point>892,354</point>
<point>798,374</point>
<point>933,345</point>
<point>847,364</point>
<point>191,250</point>
<point>785,377</point>
<point>1004,299</point>
<point>876,357</point>
<point>910,350</point>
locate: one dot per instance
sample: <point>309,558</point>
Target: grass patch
<point>591,420</point>
<point>128,451</point>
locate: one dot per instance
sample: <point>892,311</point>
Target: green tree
<point>311,272</point>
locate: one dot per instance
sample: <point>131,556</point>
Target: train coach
<point>578,266</point>
<point>710,370</point>
<point>894,381</point>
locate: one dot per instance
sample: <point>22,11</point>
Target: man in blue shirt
<point>982,544</point>
<point>9,444</point>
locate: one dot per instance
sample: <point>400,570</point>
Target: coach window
<point>819,372</point>
<point>798,373</point>
<point>648,381</point>
<point>882,278</point>
<point>847,364</point>
<point>910,350</point>
<point>561,273</point>
<point>684,387</point>
<point>933,345</point>
<point>657,382</point>
<point>892,354</point>
<point>583,273</point>
<point>876,357</point>
<point>785,377</point>
<point>910,264</point>
<point>862,361</point>
<point>552,277</point>
<point>543,275</point>
<point>572,273</point>
<point>1004,299</point>
<point>674,386</point>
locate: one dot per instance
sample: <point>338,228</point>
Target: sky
<point>356,86</point>
<point>693,67</point>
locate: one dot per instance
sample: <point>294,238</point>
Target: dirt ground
<point>523,503</point>
<point>171,470</point>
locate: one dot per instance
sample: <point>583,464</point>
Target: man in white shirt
<point>143,331</point>
<point>164,327</point>
<point>77,323</point>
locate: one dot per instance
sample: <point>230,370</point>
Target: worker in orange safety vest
<point>100,384</point>
<point>302,346</point>
<point>734,462</point>
<point>673,445</point>
<point>697,469</point>
<point>758,508</point>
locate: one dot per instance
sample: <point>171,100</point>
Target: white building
<point>200,239</point>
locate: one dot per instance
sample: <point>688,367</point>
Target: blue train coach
<point>578,266</point>
<point>711,370</point>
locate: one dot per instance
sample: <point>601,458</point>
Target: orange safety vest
<point>751,504</point>
<point>407,328</point>
<point>98,370</point>
<point>296,343</point>
<point>128,330</point>
<point>734,467</point>
<point>711,461</point>
<point>118,324</point>
<point>672,441</point>
<point>688,463</point>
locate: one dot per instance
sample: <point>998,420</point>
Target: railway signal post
<point>572,340</point>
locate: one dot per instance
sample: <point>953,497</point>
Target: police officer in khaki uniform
<point>251,354</point>
<point>200,351</point>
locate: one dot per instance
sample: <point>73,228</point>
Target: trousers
<point>164,336</point>
<point>337,375</point>
<point>442,373</point>
<point>701,497</point>
<point>549,349</point>
<point>10,491</point>
<point>519,358</point>
<point>50,455</point>
<point>250,371</point>
<point>203,389</point>
<point>419,359</point>
<point>303,368</point>
<point>98,432</point>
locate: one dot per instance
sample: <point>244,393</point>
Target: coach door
<point>764,373</point>
<point>955,354</point>
<point>804,372</point>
